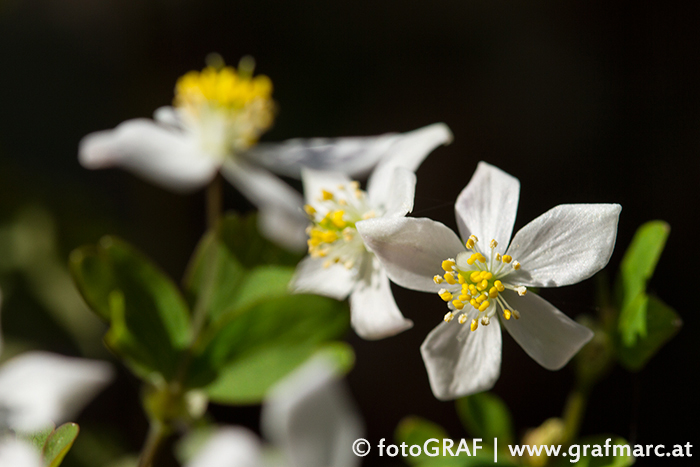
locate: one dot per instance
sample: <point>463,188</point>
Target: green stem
<point>215,203</point>
<point>156,435</point>
<point>573,414</point>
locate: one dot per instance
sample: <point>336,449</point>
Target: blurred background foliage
<point>582,101</point>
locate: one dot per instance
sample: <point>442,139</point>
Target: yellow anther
<point>506,314</point>
<point>326,195</point>
<point>448,264</point>
<point>498,257</point>
<point>516,265</point>
<point>481,258</point>
<point>475,276</point>
<point>337,219</point>
<point>445,295</point>
<point>310,210</point>
<point>499,285</point>
<point>471,259</point>
<point>475,324</point>
<point>473,237</point>
<point>458,304</point>
<point>450,278</point>
<point>329,236</point>
<point>469,244</point>
<point>493,292</point>
<point>487,275</point>
<point>507,258</point>
<point>460,279</point>
<point>464,298</point>
<point>516,314</point>
<point>449,316</point>
<point>472,290</point>
<point>522,290</point>
<point>465,288</point>
<point>462,319</point>
<point>493,244</point>
<point>485,321</point>
<point>483,285</point>
<point>438,279</point>
<point>474,303</point>
<point>481,298</point>
<point>484,306</point>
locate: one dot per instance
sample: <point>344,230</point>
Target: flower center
<point>332,234</point>
<point>475,282</point>
<point>228,108</point>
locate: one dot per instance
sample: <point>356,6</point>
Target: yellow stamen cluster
<point>223,87</point>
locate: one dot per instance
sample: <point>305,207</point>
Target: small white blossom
<point>567,244</point>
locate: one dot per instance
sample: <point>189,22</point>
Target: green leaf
<point>636,269</point>
<point>486,416</point>
<point>248,379</point>
<point>59,443</point>
<point>38,438</point>
<point>149,318</point>
<point>662,323</point>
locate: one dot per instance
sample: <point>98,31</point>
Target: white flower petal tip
<point>461,362</point>
<point>310,416</point>
<point>18,453</point>
<point>410,249</point>
<point>159,154</point>
<point>373,310</point>
<point>565,245</point>
<point>487,206</point>
<point>314,276</point>
<point>546,334</point>
<point>39,387</point>
<point>229,447</point>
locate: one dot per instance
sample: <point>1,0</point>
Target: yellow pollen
<point>471,259</point>
<point>450,278</point>
<point>464,298</point>
<point>474,303</point>
<point>507,258</point>
<point>498,256</point>
<point>448,264</point>
<point>483,285</point>
<point>449,316</point>
<point>493,292</point>
<point>309,210</point>
<point>460,279</point>
<point>516,265</point>
<point>458,304</point>
<point>326,195</point>
<point>224,87</point>
<point>487,275</point>
<point>475,324</point>
<point>506,314</point>
<point>469,244</point>
<point>472,290</point>
<point>480,298</point>
<point>438,279</point>
<point>484,306</point>
<point>337,219</point>
<point>481,258</point>
<point>473,237</point>
<point>475,276</point>
<point>493,244</point>
<point>462,319</point>
<point>445,295</point>
<point>499,285</point>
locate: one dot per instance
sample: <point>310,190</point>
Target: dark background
<point>590,101</point>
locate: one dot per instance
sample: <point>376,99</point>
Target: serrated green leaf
<point>636,269</point>
<point>59,443</point>
<point>486,416</point>
<point>662,323</point>
<point>248,379</point>
<point>149,317</point>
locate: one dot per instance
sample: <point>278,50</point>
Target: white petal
<point>229,447</point>
<point>310,416</point>
<point>162,155</point>
<point>402,187</point>
<point>335,281</point>
<point>487,205</point>
<point>167,115</point>
<point>39,387</point>
<point>373,311</point>
<point>284,227</point>
<point>354,156</point>
<point>565,245</point>
<point>461,362</point>
<point>408,152</point>
<point>18,453</point>
<point>546,334</point>
<point>315,181</point>
<point>411,250</point>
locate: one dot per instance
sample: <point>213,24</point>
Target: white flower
<point>488,277</point>
<point>38,388</point>
<point>18,453</point>
<point>308,418</point>
<point>214,125</point>
<point>338,264</point>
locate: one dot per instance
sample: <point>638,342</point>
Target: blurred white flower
<point>40,388</point>
<point>338,264</point>
<point>308,418</point>
<point>565,245</point>
<point>18,453</point>
<point>215,122</point>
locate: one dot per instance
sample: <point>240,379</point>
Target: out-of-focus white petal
<point>162,155</point>
<point>229,447</point>
<point>18,453</point>
<point>565,245</point>
<point>546,334</point>
<point>316,180</point>
<point>167,115</point>
<point>373,311</point>
<point>411,250</point>
<point>335,281</point>
<point>39,387</point>
<point>407,151</point>
<point>402,187</point>
<point>310,416</point>
<point>284,227</point>
<point>460,361</point>
<point>488,204</point>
